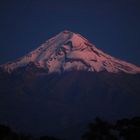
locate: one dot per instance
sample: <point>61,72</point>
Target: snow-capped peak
<point>69,51</point>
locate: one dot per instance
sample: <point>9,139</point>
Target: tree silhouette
<point>127,129</point>
<point>99,130</point>
<point>6,133</point>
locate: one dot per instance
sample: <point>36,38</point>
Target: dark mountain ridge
<point>61,104</point>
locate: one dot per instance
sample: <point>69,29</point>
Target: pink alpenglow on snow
<point>69,51</point>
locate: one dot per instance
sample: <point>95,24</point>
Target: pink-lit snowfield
<point>68,51</point>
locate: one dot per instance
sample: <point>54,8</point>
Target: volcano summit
<point>69,51</point>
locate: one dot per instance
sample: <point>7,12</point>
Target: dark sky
<point>113,25</point>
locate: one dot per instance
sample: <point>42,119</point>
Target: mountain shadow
<point>62,103</point>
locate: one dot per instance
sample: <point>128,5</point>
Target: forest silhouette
<point>124,129</point>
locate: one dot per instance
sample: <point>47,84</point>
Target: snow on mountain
<point>69,51</point>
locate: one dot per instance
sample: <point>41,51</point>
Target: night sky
<point>112,25</point>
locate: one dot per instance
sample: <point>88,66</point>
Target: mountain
<point>69,51</point>
<point>60,87</point>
